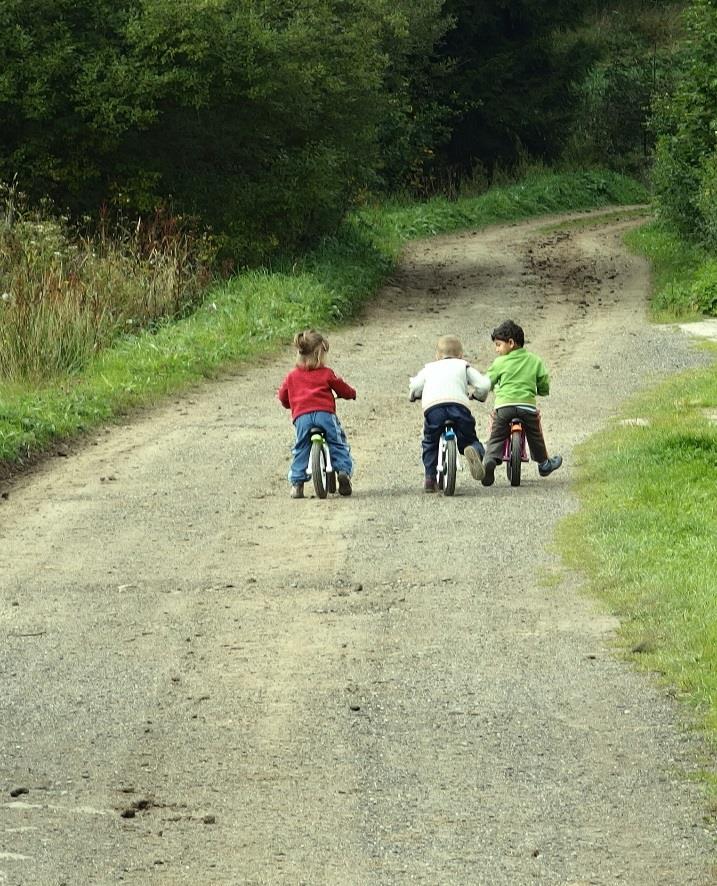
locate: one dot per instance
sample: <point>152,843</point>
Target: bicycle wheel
<point>450,466</point>
<point>331,482</point>
<point>441,466</point>
<point>318,468</point>
<point>515,463</point>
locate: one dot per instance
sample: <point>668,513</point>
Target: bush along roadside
<point>256,310</point>
<point>685,273</point>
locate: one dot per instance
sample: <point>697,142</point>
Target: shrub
<point>704,289</point>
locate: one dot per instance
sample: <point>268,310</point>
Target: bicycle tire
<point>441,466</point>
<point>318,469</point>
<point>451,466</point>
<point>331,482</point>
<point>516,458</point>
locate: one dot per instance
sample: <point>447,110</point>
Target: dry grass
<point>64,296</point>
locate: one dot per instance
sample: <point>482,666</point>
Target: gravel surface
<point>206,682</point>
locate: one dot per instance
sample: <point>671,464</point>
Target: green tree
<point>51,51</point>
<point>510,82</point>
<point>418,116</point>
<point>685,174</point>
<point>263,117</point>
<point>635,41</point>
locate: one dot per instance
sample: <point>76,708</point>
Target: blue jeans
<point>335,437</point>
<point>464,425</point>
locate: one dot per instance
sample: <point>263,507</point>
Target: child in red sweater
<point>308,391</point>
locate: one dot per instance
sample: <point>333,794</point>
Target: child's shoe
<point>488,472</point>
<point>297,491</point>
<point>550,465</point>
<point>475,465</point>
<point>429,484</point>
<point>344,483</point>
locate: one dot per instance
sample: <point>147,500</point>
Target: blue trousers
<point>464,425</point>
<point>335,437</point>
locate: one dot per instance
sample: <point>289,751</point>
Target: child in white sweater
<point>443,389</point>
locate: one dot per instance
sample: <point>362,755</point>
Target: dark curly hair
<point>507,330</point>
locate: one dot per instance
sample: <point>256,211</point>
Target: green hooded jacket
<point>517,378</point>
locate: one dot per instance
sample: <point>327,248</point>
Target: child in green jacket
<point>517,376</point>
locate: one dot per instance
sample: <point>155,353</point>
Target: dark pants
<point>433,423</point>
<point>500,428</point>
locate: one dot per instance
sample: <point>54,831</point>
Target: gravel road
<point>205,682</point>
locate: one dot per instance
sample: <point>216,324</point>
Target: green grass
<point>684,274</point>
<point>257,310</point>
<point>646,533</point>
<point>536,194</point>
<point>577,224</point>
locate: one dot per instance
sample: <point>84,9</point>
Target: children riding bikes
<point>308,391</point>
<point>443,388</point>
<point>517,376</point>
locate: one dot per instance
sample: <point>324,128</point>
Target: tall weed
<point>64,296</point>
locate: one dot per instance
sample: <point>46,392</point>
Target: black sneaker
<point>550,465</point>
<point>344,483</point>
<point>489,472</point>
<point>429,485</point>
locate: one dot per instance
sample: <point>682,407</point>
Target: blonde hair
<point>311,349</point>
<point>449,346</point>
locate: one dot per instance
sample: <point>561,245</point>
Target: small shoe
<point>297,491</point>
<point>475,465</point>
<point>429,485</point>
<point>344,483</point>
<point>550,465</point>
<point>488,472</point>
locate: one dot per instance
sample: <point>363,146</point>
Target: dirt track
<point>205,682</point>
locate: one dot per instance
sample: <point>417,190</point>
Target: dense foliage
<point>268,119</point>
<point>262,117</point>
<point>63,297</point>
<point>635,41</point>
<point>511,77</point>
<point>686,119</point>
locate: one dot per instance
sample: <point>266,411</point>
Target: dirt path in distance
<point>205,682</point>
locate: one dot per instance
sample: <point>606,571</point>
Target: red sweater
<point>312,390</point>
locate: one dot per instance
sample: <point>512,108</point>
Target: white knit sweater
<point>447,381</point>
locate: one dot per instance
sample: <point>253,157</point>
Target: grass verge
<point>646,532</point>
<point>684,274</point>
<point>257,310</point>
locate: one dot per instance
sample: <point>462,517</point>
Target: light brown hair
<point>311,349</point>
<point>449,346</point>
